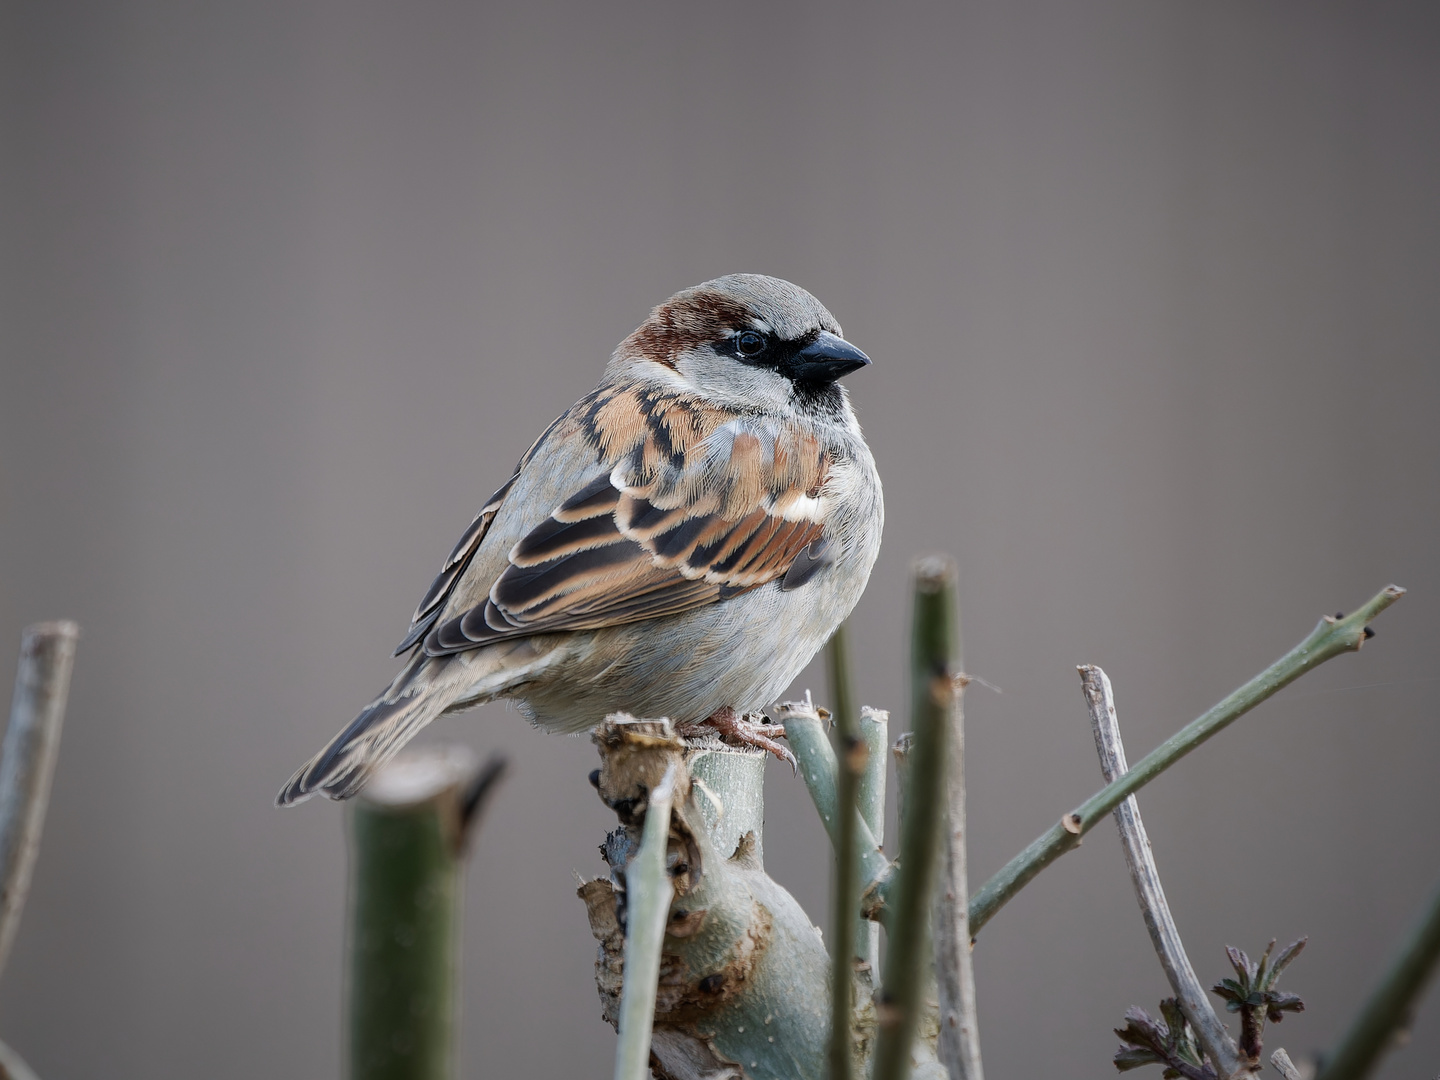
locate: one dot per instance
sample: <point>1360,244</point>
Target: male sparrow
<point>679,543</point>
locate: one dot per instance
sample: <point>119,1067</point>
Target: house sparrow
<point>679,543</point>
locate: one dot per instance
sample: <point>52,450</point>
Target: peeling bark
<point>744,974</point>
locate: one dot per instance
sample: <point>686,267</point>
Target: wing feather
<point>455,564</point>
<point>696,506</point>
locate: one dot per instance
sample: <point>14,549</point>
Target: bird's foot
<point>743,731</point>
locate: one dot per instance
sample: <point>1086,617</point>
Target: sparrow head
<point>748,340</point>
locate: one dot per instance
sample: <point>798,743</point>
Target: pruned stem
<point>805,732</point>
<point>1329,639</point>
<point>1209,1031</point>
<point>875,732</point>
<point>845,896</point>
<point>1390,1004</point>
<point>932,693</point>
<point>959,1041</point>
<point>12,1065</point>
<point>744,974</point>
<point>408,836</point>
<point>1283,1065</point>
<point>27,761</point>
<point>648,891</point>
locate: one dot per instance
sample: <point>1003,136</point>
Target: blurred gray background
<point>288,286</point>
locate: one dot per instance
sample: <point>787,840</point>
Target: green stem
<point>408,832</point>
<point>875,732</point>
<point>1391,1003</point>
<point>845,896</point>
<point>1329,639</point>
<point>805,732</point>
<point>648,891</point>
<point>932,689</point>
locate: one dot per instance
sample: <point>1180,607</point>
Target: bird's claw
<point>742,731</point>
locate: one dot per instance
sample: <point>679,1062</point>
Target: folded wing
<point>668,529</point>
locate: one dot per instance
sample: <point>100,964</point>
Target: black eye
<point>750,342</point>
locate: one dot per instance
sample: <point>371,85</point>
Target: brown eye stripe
<point>687,321</point>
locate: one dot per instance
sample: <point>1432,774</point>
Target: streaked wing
<point>701,506</point>
<point>459,559</point>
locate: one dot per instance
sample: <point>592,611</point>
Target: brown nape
<point>689,320</point>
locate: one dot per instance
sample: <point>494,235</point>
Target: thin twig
<point>959,1041</point>
<point>649,891</point>
<point>1391,1003</point>
<point>13,1067</point>
<point>805,732</point>
<point>875,731</point>
<point>27,761</point>
<point>1328,640</point>
<point>845,897</point>
<point>1284,1066</point>
<point>1209,1031</point>
<point>907,959</point>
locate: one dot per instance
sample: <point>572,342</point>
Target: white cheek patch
<point>728,382</point>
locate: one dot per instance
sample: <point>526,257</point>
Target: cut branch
<point>932,692</point>
<point>1328,640</point>
<point>959,1041</point>
<point>13,1067</point>
<point>648,891</point>
<point>27,761</point>
<point>743,985</point>
<point>1209,1031</point>
<point>409,830</point>
<point>1284,1066</point>
<point>845,895</point>
<point>805,732</point>
<point>1391,1004</point>
<point>875,731</point>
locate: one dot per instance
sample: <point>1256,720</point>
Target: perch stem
<point>875,731</point>
<point>959,1041</point>
<point>649,892</point>
<point>27,761</point>
<point>1164,935</point>
<point>805,732</point>
<point>845,895</point>
<point>1390,1004</point>
<point>1329,639</point>
<point>932,692</point>
<point>408,833</point>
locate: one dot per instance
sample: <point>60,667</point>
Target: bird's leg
<point>742,731</point>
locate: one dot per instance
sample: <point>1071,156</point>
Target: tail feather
<point>426,687</point>
<point>338,771</point>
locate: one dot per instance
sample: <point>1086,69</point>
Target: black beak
<point>826,359</point>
